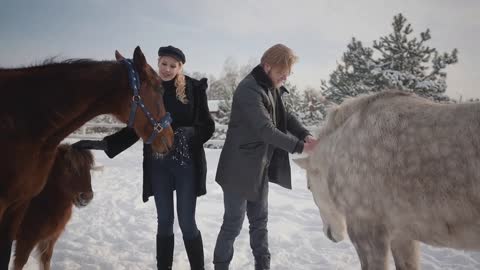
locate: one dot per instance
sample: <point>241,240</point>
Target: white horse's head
<point>334,225</point>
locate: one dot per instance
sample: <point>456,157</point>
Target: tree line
<point>399,60</point>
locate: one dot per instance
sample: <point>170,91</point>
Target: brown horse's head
<point>151,92</point>
<point>71,173</point>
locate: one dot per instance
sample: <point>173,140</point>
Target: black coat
<point>204,128</point>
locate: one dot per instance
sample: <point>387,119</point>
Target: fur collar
<point>261,77</point>
<point>263,80</point>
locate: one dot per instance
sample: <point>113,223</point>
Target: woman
<point>184,168</point>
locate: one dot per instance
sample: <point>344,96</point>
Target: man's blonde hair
<point>279,55</point>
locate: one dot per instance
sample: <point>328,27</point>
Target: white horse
<point>391,169</point>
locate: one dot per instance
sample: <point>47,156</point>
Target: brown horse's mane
<point>52,62</point>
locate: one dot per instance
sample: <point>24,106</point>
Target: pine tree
<point>308,106</point>
<point>226,85</point>
<point>396,61</point>
<point>312,107</point>
<point>224,109</point>
<point>292,100</point>
<point>354,76</point>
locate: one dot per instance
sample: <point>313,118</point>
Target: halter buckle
<point>158,127</point>
<point>136,98</point>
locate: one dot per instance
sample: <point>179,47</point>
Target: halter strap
<point>134,81</point>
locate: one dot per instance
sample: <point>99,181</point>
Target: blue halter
<point>137,100</point>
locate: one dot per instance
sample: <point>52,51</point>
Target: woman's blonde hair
<point>279,55</point>
<point>180,84</point>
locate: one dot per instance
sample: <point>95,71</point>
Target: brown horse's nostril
<point>168,146</point>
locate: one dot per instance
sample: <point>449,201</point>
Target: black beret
<point>173,52</point>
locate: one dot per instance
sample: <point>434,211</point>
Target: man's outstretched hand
<point>310,143</point>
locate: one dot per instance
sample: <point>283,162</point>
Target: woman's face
<point>168,67</point>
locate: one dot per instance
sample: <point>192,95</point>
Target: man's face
<point>277,74</point>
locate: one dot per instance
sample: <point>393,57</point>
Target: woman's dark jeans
<point>168,175</point>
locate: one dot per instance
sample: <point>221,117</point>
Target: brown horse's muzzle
<point>166,142</point>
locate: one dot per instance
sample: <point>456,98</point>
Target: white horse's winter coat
<point>391,169</point>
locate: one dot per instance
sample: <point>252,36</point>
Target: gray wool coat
<point>257,143</point>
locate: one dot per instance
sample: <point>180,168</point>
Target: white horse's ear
<point>302,162</point>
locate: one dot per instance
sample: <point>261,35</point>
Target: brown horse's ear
<point>139,59</point>
<point>118,56</point>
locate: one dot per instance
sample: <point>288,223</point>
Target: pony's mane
<point>337,115</point>
<point>73,159</point>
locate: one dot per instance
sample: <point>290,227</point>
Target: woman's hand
<point>91,144</point>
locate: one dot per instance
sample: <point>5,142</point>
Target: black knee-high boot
<point>262,262</point>
<point>165,252</point>
<point>194,249</point>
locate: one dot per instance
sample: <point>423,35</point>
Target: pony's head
<point>71,173</point>
<point>151,94</point>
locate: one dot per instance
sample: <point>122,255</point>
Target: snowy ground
<point>117,230</point>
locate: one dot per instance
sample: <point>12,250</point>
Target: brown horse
<point>68,184</point>
<point>43,104</point>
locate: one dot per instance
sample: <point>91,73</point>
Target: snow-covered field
<point>117,230</point>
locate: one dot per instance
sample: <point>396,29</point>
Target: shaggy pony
<point>68,184</point>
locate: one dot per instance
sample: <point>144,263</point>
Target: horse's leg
<point>23,249</point>
<point>371,242</point>
<point>5,250</point>
<point>46,247</point>
<point>405,254</point>
<point>8,230</point>
<point>5,240</point>
<point>18,213</point>
<point>3,207</point>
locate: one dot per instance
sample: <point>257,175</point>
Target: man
<point>260,135</point>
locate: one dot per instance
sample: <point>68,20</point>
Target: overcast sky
<point>211,31</point>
